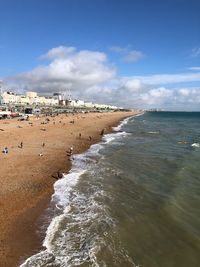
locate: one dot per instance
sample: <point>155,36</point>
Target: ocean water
<point>131,200</point>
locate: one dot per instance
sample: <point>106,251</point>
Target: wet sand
<point>26,178</point>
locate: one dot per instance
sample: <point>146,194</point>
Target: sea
<point>132,200</point>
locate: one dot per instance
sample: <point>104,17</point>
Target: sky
<point>130,53</point>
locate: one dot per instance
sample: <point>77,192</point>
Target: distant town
<point>32,103</point>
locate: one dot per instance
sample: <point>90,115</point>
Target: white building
<point>76,103</point>
<point>31,94</point>
<point>31,98</point>
<point>89,105</point>
<point>22,99</point>
<point>9,97</point>
<point>50,101</point>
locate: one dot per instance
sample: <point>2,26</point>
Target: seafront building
<point>9,98</point>
<point>30,98</point>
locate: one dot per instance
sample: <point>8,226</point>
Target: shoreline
<point>19,220</point>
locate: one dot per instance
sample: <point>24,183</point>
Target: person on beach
<point>90,138</point>
<point>71,150</point>
<point>59,175</point>
<point>5,151</point>
<point>79,135</point>
<point>102,132</point>
<point>43,144</point>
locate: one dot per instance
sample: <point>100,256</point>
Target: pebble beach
<point>29,171</point>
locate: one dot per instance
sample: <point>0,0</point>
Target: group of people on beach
<point>69,152</point>
<point>21,145</point>
<point>5,150</point>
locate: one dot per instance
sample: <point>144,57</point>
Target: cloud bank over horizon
<point>89,75</point>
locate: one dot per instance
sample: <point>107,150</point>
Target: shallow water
<point>132,200</point>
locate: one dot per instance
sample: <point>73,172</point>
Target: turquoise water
<point>132,200</point>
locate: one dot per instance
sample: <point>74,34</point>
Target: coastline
<point>27,183</point>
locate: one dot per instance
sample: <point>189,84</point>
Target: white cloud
<point>133,56</point>
<point>118,49</point>
<point>128,55</point>
<point>89,76</point>
<point>194,68</point>
<point>195,52</point>
<point>159,97</point>
<point>68,68</point>
<point>145,96</point>
<point>58,52</point>
<point>169,78</point>
<point>184,91</point>
<point>132,85</point>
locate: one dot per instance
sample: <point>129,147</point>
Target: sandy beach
<point>27,178</point>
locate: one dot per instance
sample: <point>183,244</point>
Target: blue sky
<point>137,38</point>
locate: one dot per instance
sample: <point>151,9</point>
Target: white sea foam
<point>195,145</point>
<point>122,123</point>
<point>40,259</point>
<point>125,121</point>
<point>153,132</point>
<point>50,233</point>
<point>63,187</point>
<point>114,136</point>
